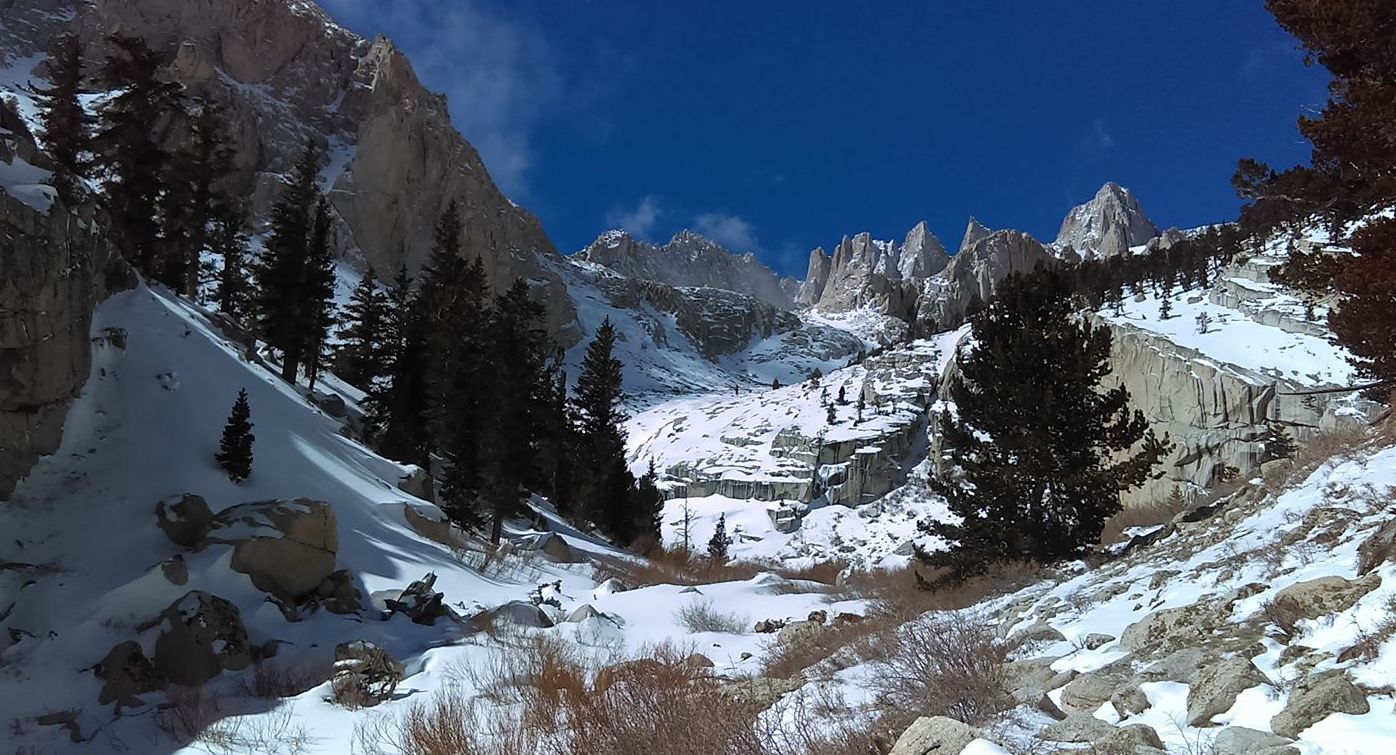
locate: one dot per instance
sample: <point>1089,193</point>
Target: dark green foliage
<point>65,126</point>
<point>398,405</point>
<point>228,240</point>
<point>294,276</point>
<point>603,481</point>
<point>364,353</point>
<point>1035,447</point>
<point>648,504</point>
<point>235,448</point>
<point>194,181</point>
<point>1278,443</point>
<point>717,544</point>
<point>129,147</point>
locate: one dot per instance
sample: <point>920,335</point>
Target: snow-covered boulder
<point>1316,698</point>
<point>287,547</point>
<point>184,518</point>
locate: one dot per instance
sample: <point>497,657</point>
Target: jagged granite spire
<point>1106,226</point>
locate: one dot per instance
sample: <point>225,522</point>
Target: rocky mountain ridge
<point>690,260</point>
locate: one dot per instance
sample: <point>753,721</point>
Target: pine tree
<point>520,391</point>
<point>1039,454</point>
<point>842,397</point>
<point>398,404</point>
<point>65,125</point>
<point>717,545</point>
<point>283,274</point>
<point>235,448</point>
<point>556,474</point>
<point>232,292</point>
<point>1165,305</point>
<point>1278,443</point>
<point>860,404</point>
<point>602,477</point>
<point>1204,321</point>
<point>648,505</point>
<point>129,147</point>
<point>316,310</point>
<point>193,198</point>
<point>831,416</point>
<point>364,353</point>
<point>1365,319</point>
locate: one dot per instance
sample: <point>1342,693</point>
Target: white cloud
<point>732,231</point>
<point>640,220</point>
<point>498,76</point>
<point>1103,139</point>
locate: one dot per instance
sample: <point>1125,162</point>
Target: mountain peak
<point>1107,226</point>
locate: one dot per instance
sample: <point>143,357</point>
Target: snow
<point>27,183</point>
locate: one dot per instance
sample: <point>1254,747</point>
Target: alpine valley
<point>684,504</point>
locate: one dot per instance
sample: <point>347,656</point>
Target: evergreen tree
<point>129,147</point>
<point>364,352</point>
<point>603,480</point>
<point>1278,443</point>
<point>558,441</point>
<point>860,404</point>
<point>1039,453</point>
<point>193,198</point>
<point>842,397</point>
<point>65,125</point>
<point>316,310</point>
<point>229,241</point>
<point>519,394</point>
<point>648,505</point>
<point>1165,305</point>
<point>235,448</point>
<point>398,404</point>
<point>283,275</point>
<point>717,545</point>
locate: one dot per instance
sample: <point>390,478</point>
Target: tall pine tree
<point>195,194</point>
<point>232,292</point>
<point>603,481</point>
<point>1038,452</point>
<point>65,125</point>
<point>364,351</point>
<point>317,312</point>
<point>283,275</point>
<point>398,405</point>
<point>129,146</point>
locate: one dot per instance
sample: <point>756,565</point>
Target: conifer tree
<point>65,125</point>
<point>860,404</point>
<point>603,480</point>
<point>398,404</point>
<point>558,441</point>
<point>717,545</point>
<point>1039,454</point>
<point>316,310</point>
<point>519,392</point>
<point>283,274</point>
<point>842,397</point>
<point>364,353</point>
<point>232,292</point>
<point>648,505</point>
<point>129,147</point>
<point>235,448</point>
<point>193,197</point>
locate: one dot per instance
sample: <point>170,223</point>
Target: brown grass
<point>909,592</point>
<point>703,617</point>
<point>1371,639</point>
<point>852,642</point>
<point>679,567</point>
<point>191,715</point>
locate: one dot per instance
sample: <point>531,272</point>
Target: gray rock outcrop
<point>974,274</point>
<point>690,261</point>
<point>1316,698</point>
<point>55,268</point>
<point>286,547</point>
<point>932,735</point>
<point>1106,226</point>
<point>866,272</point>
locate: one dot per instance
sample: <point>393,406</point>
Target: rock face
<point>55,268</point>
<point>286,547</point>
<point>1315,699</point>
<point>974,232</point>
<point>866,272</point>
<point>934,735</point>
<point>717,321</point>
<point>692,261</point>
<point>1106,226</point>
<point>974,274</point>
<point>284,72</point>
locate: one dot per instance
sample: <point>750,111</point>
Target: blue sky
<point>776,126</point>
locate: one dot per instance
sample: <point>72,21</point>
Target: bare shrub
<point>703,617</point>
<point>820,723</point>
<point>366,678</point>
<point>823,572</point>
<point>191,715</point>
<point>271,680</point>
<point>1342,442</point>
<point>1371,639</point>
<point>947,664</point>
<point>862,641</point>
<point>449,723</point>
<point>679,567</point>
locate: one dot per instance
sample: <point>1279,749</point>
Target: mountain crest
<point>1107,226</point>
<point>689,259</point>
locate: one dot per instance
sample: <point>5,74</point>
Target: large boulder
<point>554,547</point>
<point>934,735</point>
<point>1089,691</point>
<point>1326,595</point>
<point>1215,689</point>
<point>201,635</point>
<point>1239,740</point>
<point>1316,698</point>
<point>1378,548</point>
<point>1077,727</point>
<point>127,673</point>
<point>519,613</point>
<point>184,518</point>
<point>287,547</point>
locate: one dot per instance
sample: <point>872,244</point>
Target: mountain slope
<point>689,260</point>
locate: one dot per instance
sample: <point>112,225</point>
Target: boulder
<point>934,735</point>
<point>1215,688</point>
<point>610,587</point>
<point>1129,700</point>
<point>338,594</point>
<point>1173,628</point>
<point>1038,699</point>
<point>183,518</point>
<point>1326,595</point>
<point>554,547</point>
<point>287,547</point>
<point>519,613</point>
<point>1179,666</point>
<point>1096,640</point>
<point>1034,673</point>
<point>417,483</point>
<point>127,673</point>
<point>1132,738</point>
<point>768,626</point>
<point>1378,548</point>
<point>175,571</point>
<point>582,613</point>
<point>1089,691</point>
<point>1238,740</point>
<point>419,602</point>
<point>1077,727</point>
<point>1316,698</point>
<point>698,660</point>
<point>201,635</point>
<point>1040,633</point>
<point>798,633</point>
<point>331,404</point>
